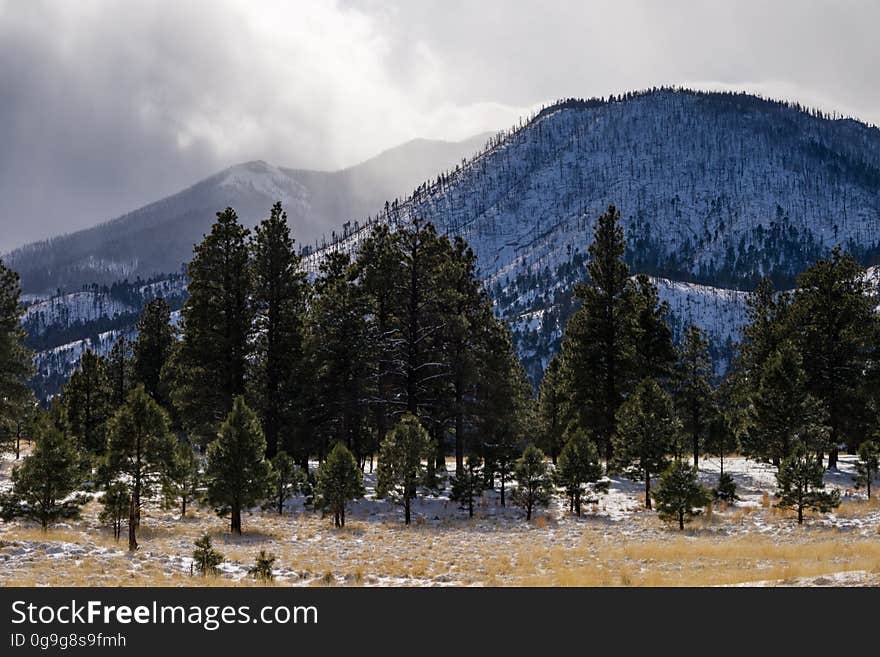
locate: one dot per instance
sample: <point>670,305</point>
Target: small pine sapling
<point>262,568</point>
<point>868,465</point>
<point>800,485</point>
<point>115,504</point>
<point>534,484</point>
<point>577,468</point>
<point>468,485</point>
<point>679,495</point>
<point>338,481</point>
<point>205,558</point>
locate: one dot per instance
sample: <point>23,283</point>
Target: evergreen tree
<point>464,310</point>
<point>468,486</point>
<point>286,481</point>
<point>578,467</point>
<point>119,372</point>
<point>782,409</point>
<point>87,400</point>
<point>834,315</point>
<point>534,484</point>
<point>140,452</point>
<point>339,357</point>
<point>184,478</point>
<point>648,431</point>
<point>379,271</point>
<point>339,480</point>
<point>505,412</point>
<point>153,347</point>
<point>279,296</point>
<point>42,485</point>
<point>418,324</point>
<point>237,471</point>
<point>694,388</point>
<point>721,440</point>
<point>868,465</point>
<point>15,358</point>
<point>679,495</point>
<point>800,485</point>
<point>205,557</point>
<point>599,339</point>
<point>552,408</point>
<point>216,324</point>
<point>262,568</point>
<point>654,351</point>
<point>20,423</point>
<point>115,505</point>
<point>400,462</point>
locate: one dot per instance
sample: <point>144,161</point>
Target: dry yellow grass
<point>549,551</point>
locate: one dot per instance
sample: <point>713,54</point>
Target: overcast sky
<point>105,106</point>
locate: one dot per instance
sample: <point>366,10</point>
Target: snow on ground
<point>616,541</point>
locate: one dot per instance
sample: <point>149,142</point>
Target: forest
<point>279,385</point>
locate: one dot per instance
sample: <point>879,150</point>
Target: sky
<point>108,105</point>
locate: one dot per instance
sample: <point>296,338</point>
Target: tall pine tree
<point>216,326</point>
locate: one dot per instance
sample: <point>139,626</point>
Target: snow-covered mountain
<point>158,238</point>
<point>715,190</point>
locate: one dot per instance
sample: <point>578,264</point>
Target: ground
<point>616,542</point>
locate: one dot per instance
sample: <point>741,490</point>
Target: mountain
<point>158,238</point>
<point>715,191</point>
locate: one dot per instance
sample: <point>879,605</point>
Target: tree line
<point>396,352</point>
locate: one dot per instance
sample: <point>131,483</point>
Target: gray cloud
<point>105,106</point>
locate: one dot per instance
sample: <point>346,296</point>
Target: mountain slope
<point>714,188</point>
<point>158,238</point>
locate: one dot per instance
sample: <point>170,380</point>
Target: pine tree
<point>87,400</point>
<point>43,484</point>
<point>21,422</point>
<point>534,484</point>
<point>279,296</point>
<point>464,310</point>
<point>115,505</point>
<point>800,485</point>
<point>721,440</point>
<point>599,339</point>
<point>206,558</point>
<point>379,272</point>
<point>552,408</point>
<point>184,478</point>
<point>262,568</point>
<point>468,486</point>
<point>834,316</point>
<point>679,495</point>
<point>119,372</point>
<point>286,481</point>
<point>779,407</point>
<point>152,348</point>
<point>237,471</point>
<point>694,388</point>
<point>648,431</point>
<point>216,325</point>
<point>578,467</point>
<point>339,480</point>
<point>868,465</point>
<point>140,452</point>
<point>338,354</point>
<point>400,462</point>
<point>654,351</point>
<point>505,412</point>
<point>418,325</point>
<point>15,358</point>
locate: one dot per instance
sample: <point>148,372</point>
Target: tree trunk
<point>459,428</point>
<point>696,450</point>
<point>183,507</point>
<point>342,515</point>
<point>647,489</point>
<point>528,511</point>
<point>800,515</point>
<point>502,490</point>
<point>406,514</point>
<point>577,504</point>
<point>235,522</point>
<point>681,520</point>
<point>132,525</point>
<point>832,458</point>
